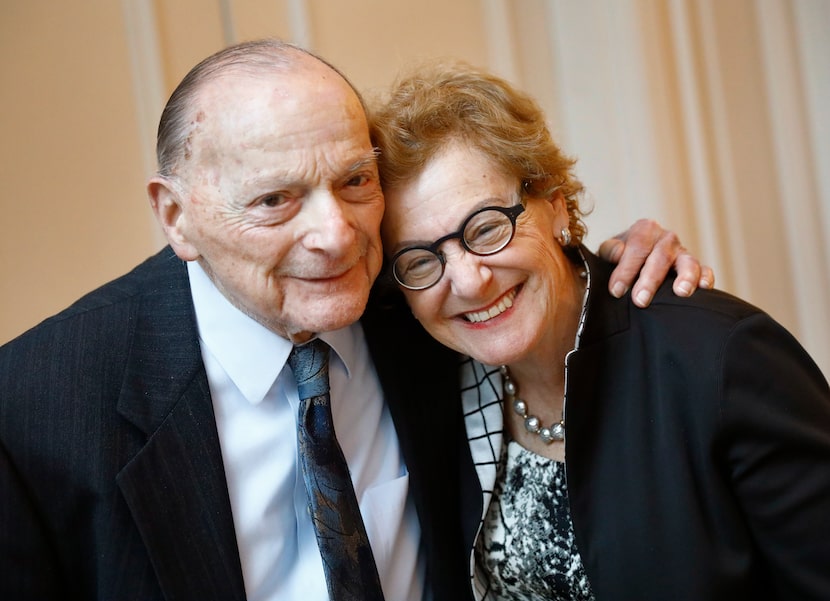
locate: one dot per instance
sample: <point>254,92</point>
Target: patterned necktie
<point>350,568</point>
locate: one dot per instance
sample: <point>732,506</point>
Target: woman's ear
<point>561,218</point>
<point>167,201</point>
<point>556,197</point>
<point>560,206</point>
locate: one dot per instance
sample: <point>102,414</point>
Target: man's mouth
<point>497,308</point>
<point>331,276</point>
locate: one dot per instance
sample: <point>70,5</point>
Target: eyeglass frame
<point>512,213</point>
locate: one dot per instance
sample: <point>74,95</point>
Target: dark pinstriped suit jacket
<point>111,478</point>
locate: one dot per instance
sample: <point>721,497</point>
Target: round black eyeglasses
<point>485,232</point>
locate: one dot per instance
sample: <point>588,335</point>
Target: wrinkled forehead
<point>258,96</point>
<point>240,112</point>
<point>252,131</point>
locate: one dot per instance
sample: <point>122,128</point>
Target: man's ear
<point>166,199</point>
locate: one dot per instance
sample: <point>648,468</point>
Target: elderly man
<point>148,433</point>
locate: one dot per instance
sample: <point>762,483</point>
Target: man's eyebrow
<point>288,180</point>
<point>370,158</point>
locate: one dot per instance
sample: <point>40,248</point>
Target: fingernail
<point>619,290</point>
<point>705,284</point>
<point>643,298</point>
<point>685,288</point>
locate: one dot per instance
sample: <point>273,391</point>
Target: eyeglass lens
<point>485,232</point>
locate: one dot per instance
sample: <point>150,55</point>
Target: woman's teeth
<point>500,307</point>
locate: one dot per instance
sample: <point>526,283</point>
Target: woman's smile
<point>497,308</point>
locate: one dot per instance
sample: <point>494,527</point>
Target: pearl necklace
<point>556,431</point>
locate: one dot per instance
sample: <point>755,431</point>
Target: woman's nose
<point>468,274</point>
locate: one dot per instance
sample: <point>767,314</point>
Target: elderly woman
<point>677,452</point>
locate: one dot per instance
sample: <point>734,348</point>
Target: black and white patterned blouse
<point>525,506</point>
<point>526,548</point>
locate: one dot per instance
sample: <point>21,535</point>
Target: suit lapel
<point>420,384</point>
<point>175,486</point>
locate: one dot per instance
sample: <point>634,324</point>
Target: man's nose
<point>330,226</point>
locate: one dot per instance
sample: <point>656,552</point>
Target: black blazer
<point>111,478</point>
<point>698,452</point>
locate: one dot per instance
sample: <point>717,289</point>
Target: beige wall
<point>73,210</point>
<point>706,115</point>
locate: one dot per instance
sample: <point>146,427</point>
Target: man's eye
<point>273,200</point>
<point>358,180</point>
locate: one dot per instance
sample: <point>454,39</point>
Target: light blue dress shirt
<point>255,402</point>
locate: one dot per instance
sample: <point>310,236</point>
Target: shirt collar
<point>252,355</point>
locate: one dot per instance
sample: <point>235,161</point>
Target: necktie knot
<point>310,365</point>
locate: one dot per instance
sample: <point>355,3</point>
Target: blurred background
<point>710,116</point>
